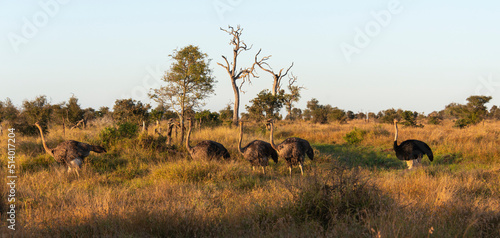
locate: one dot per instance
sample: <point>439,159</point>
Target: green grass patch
<point>37,163</point>
<point>367,157</point>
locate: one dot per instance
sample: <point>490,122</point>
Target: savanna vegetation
<point>145,188</point>
<point>146,185</point>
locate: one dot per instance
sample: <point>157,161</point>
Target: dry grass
<point>349,190</point>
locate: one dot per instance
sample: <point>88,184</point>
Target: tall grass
<point>143,188</point>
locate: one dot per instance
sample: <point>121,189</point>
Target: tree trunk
<point>236,103</point>
<point>182,128</point>
<point>64,128</point>
<point>289,110</point>
<point>275,86</point>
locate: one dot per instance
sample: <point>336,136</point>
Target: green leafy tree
<point>103,111</point>
<point>473,112</point>
<point>361,116</point>
<point>132,111</point>
<point>265,105</point>
<point>37,110</point>
<point>296,114</point>
<point>226,114</point>
<point>336,114</point>
<point>58,113</point>
<point>410,118</point>
<point>189,82</point>
<point>388,116</point>
<point>494,113</point>
<point>350,115</point>
<point>453,111</point>
<point>89,114</point>
<point>476,108</point>
<point>316,112</point>
<point>208,118</point>
<point>74,111</point>
<point>435,118</point>
<point>8,112</point>
<point>157,113</point>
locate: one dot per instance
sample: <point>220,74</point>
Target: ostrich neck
<point>49,151</point>
<point>396,129</point>
<point>241,138</point>
<point>272,137</point>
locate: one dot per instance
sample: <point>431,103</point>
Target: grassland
<point>142,188</point>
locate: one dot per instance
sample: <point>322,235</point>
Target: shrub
<point>127,130</point>
<point>462,123</point>
<point>341,194</point>
<point>355,136</point>
<point>435,120</point>
<point>109,135</point>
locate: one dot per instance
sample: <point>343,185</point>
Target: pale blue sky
<point>414,55</point>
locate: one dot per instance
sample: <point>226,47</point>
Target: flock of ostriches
<point>72,153</point>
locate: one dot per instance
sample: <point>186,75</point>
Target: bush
<point>355,136</point>
<point>435,120</point>
<point>462,123</point>
<point>109,135</point>
<point>127,130</point>
<point>341,194</point>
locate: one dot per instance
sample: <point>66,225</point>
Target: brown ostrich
<point>293,150</point>
<point>257,152</point>
<point>206,149</point>
<point>70,153</point>
<point>412,151</point>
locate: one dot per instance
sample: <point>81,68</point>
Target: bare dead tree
<point>277,77</point>
<point>294,94</point>
<point>234,74</point>
<point>77,124</point>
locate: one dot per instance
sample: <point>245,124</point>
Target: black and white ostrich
<point>411,151</point>
<point>257,152</point>
<point>293,150</point>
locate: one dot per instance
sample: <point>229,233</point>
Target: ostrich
<point>293,149</point>
<point>411,151</point>
<point>257,152</point>
<point>70,153</point>
<point>206,149</point>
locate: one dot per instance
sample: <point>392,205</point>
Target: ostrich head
<point>268,123</point>
<point>99,149</point>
